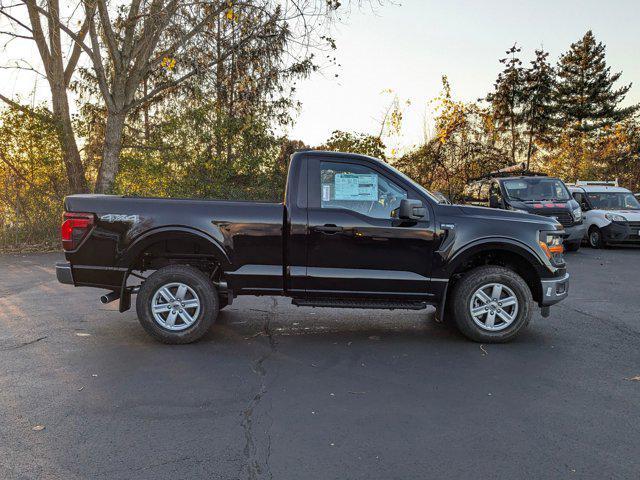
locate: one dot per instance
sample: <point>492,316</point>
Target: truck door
<point>356,245</point>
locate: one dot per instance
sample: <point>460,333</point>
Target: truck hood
<point>630,215</point>
<point>510,215</point>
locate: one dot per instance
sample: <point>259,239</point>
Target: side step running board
<point>358,303</point>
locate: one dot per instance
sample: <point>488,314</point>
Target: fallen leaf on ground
<point>38,428</point>
<point>635,379</point>
<point>82,334</point>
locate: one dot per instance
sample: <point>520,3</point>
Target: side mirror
<point>494,202</point>
<point>411,209</point>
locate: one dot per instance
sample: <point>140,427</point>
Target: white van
<point>611,213</point>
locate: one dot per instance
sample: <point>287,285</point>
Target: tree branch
<point>77,49</point>
<point>96,59</point>
<point>43,117</point>
<point>109,34</point>
<point>38,33</point>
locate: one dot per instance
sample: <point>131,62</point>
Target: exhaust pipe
<point>109,297</point>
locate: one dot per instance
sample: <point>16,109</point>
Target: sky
<point>407,46</point>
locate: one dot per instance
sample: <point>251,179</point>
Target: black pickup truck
<point>352,232</point>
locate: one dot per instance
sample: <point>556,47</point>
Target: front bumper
<point>63,273</point>
<point>575,233</point>
<point>618,232</point>
<point>554,290</point>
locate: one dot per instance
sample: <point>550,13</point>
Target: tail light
<point>74,228</point>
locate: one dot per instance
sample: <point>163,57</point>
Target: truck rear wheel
<point>491,304</point>
<point>177,304</point>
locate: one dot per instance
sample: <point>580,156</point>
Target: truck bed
<point>248,233</point>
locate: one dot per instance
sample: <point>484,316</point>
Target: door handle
<point>329,229</point>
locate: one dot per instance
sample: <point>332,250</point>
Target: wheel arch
<point>176,240</point>
<point>495,251</point>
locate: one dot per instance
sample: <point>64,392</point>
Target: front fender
<point>536,259</point>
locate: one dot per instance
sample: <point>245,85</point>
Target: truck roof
<point>597,188</point>
<point>524,177</point>
<point>333,153</point>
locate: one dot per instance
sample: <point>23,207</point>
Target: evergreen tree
<point>537,98</point>
<point>585,97</point>
<point>506,99</point>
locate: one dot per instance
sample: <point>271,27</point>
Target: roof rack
<point>517,170</point>
<point>610,183</point>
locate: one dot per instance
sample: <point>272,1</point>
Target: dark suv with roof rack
<point>516,189</point>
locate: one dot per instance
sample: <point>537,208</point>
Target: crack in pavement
<point>23,344</point>
<point>616,325</point>
<point>255,469</point>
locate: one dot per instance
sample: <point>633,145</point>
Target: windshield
<point>536,190</point>
<point>613,201</point>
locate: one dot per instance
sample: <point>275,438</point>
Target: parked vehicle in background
<point>514,188</point>
<point>611,213</point>
<point>352,232</point>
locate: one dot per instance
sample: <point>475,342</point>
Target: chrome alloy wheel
<point>493,307</point>
<point>175,306</point>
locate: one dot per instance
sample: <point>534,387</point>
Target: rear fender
<point>142,243</point>
<point>157,235</point>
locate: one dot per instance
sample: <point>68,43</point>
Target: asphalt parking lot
<point>275,391</point>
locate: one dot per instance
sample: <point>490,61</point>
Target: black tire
<point>572,246</point>
<point>595,238</point>
<point>473,280</point>
<point>206,296</point>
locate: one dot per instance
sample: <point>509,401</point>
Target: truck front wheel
<point>595,238</point>
<point>177,304</point>
<point>491,304</point>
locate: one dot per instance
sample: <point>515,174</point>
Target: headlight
<point>614,217</point>
<point>577,214</point>
<point>551,244</point>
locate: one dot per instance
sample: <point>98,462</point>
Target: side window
<point>579,197</point>
<point>495,190</point>
<point>358,188</point>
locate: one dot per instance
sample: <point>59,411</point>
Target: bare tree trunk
<point>111,152</point>
<point>67,139</point>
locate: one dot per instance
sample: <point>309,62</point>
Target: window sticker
<point>356,186</point>
<point>326,192</point>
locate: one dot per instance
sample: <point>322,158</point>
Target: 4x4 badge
<point>114,217</point>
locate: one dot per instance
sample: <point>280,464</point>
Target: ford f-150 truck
<point>352,232</point>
